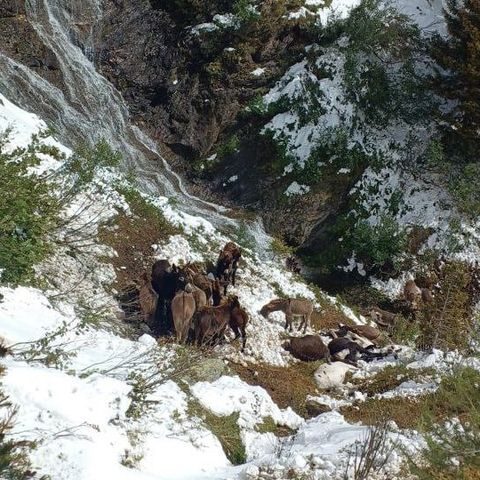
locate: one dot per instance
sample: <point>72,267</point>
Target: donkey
<point>308,348</point>
<point>183,308</point>
<point>227,263</point>
<point>147,298</point>
<point>412,293</point>
<point>211,322</point>
<point>166,281</point>
<point>291,307</point>
<point>238,323</point>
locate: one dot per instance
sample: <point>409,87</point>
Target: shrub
<point>452,448</point>
<point>274,152</point>
<point>447,323</point>
<point>245,11</point>
<point>377,244</point>
<point>225,428</point>
<point>380,72</point>
<point>229,147</point>
<point>279,247</point>
<point>29,211</point>
<point>331,152</point>
<point>464,191</point>
<point>370,456</point>
<point>458,55</point>
<point>32,201</point>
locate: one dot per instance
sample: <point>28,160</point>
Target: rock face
<point>186,87</point>
<point>189,87</point>
<point>20,41</point>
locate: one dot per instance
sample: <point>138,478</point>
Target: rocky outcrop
<point>20,41</point>
<point>186,87</point>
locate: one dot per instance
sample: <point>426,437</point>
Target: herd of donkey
<point>194,305</point>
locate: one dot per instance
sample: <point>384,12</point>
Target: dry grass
<point>404,411</point>
<point>329,317</point>
<point>132,236</point>
<point>389,378</point>
<point>288,386</point>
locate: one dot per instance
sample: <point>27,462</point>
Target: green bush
<point>331,152</point>
<point>375,245</point>
<point>274,152</point>
<point>380,74</point>
<point>464,189</point>
<point>229,147</point>
<point>452,450</point>
<point>32,201</point>
<point>245,11</point>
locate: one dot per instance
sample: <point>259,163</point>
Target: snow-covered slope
<point>78,411</point>
<point>76,384</point>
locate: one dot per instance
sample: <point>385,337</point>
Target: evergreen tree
<point>459,76</point>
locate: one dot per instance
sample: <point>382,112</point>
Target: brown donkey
<point>291,307</point>
<point>211,322</point>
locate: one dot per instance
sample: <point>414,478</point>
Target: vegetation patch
<point>447,323</point>
<point>225,428</point>
<point>287,386</point>
<point>268,425</point>
<point>14,461</point>
<point>132,235</point>
<point>389,378</point>
<point>452,448</point>
<point>406,412</point>
<point>32,201</point>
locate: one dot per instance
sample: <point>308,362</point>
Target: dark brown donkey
<point>211,322</point>
<point>227,264</point>
<point>166,281</point>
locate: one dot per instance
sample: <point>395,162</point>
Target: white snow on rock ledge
<point>296,189</point>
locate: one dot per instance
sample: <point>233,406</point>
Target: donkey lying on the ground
<point>291,307</point>
<point>307,348</point>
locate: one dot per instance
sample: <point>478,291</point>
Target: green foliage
<point>458,56</point>
<point>380,72</point>
<point>225,428</point>
<point>87,160</point>
<point>375,245</point>
<point>32,201</point>
<point>143,209</point>
<point>464,189</point>
<point>452,450</point>
<point>333,151</point>
<point>274,152</point>
<point>245,11</point>
<point>229,147</point>
<point>447,322</point>
<point>243,237</point>
<point>279,247</point>
<point>405,332</point>
<point>29,211</point>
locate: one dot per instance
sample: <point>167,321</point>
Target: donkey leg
<point>306,323</point>
<point>244,339</point>
<point>289,322</point>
